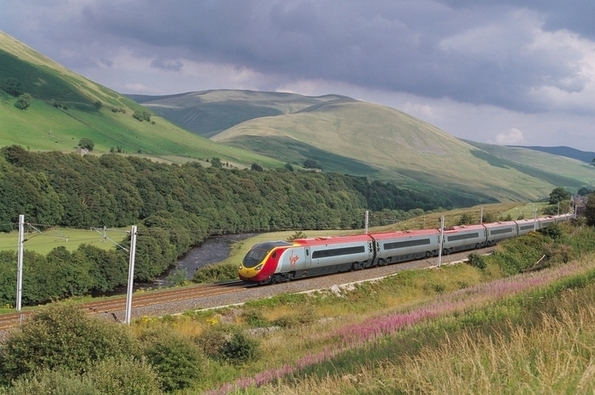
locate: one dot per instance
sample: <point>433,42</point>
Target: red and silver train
<point>278,261</point>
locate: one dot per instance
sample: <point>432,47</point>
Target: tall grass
<point>360,344</point>
<point>548,352</point>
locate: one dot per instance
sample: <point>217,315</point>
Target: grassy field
<point>45,240</point>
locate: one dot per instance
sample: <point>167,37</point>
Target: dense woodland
<point>175,207</point>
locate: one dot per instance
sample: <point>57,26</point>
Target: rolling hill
<point>67,107</point>
<point>346,135</point>
<point>267,128</point>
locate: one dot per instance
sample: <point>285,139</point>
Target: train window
<point>338,252</point>
<point>407,243</point>
<point>501,231</point>
<point>307,252</point>
<point>464,236</point>
<point>274,255</point>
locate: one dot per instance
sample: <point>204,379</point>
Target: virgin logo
<point>293,259</point>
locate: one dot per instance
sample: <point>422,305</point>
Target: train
<point>280,261</point>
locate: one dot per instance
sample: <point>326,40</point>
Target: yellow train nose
<point>246,273</point>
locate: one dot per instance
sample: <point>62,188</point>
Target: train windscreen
<point>260,251</point>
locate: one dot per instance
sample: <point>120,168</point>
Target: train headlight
<point>259,267</point>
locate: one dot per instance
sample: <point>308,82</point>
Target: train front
<point>260,263</point>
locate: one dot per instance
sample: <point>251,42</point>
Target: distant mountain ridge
<point>569,152</point>
<point>347,135</point>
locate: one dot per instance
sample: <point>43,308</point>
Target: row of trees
<point>175,208</point>
<point>115,191</point>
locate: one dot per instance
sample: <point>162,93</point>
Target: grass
<point>402,148</point>
<point>405,351</point>
<point>535,342</point>
<point>47,239</point>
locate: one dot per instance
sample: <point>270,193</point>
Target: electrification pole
<point>20,261</point>
<point>130,275</point>
<point>441,243</point>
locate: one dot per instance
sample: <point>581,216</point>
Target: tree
<point>142,115</point>
<point>86,143</point>
<point>256,167</point>
<point>12,86</point>
<point>216,163</point>
<point>289,167</point>
<point>312,164</point>
<point>558,195</point>
<point>23,102</point>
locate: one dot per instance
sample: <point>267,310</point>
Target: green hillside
<point>359,138</point>
<point>400,147</point>
<point>66,107</point>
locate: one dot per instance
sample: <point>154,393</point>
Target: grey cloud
<point>166,64</point>
<point>407,46</point>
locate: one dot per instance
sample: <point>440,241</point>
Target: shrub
<point>177,359</point>
<point>62,335</point>
<point>23,102</point>
<point>211,342</point>
<point>552,231</point>
<point>55,382</point>
<point>239,348</point>
<point>114,377</point>
<point>466,219</point>
<point>477,260</point>
<point>298,234</point>
<point>87,143</point>
<point>212,273</point>
<point>125,376</point>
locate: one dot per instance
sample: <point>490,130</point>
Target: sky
<point>509,72</point>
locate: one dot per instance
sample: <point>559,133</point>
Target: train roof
<point>461,228</point>
<point>406,233</point>
<point>312,241</point>
<point>501,223</point>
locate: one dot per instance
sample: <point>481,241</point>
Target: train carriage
<point>545,221</point>
<point>261,262</point>
<point>462,238</point>
<point>405,245</point>
<point>526,225</point>
<point>337,254</point>
<point>497,231</point>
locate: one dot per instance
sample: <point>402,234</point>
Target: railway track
<point>230,292</point>
<point>118,304</point>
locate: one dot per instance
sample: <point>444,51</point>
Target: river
<point>213,250</point>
